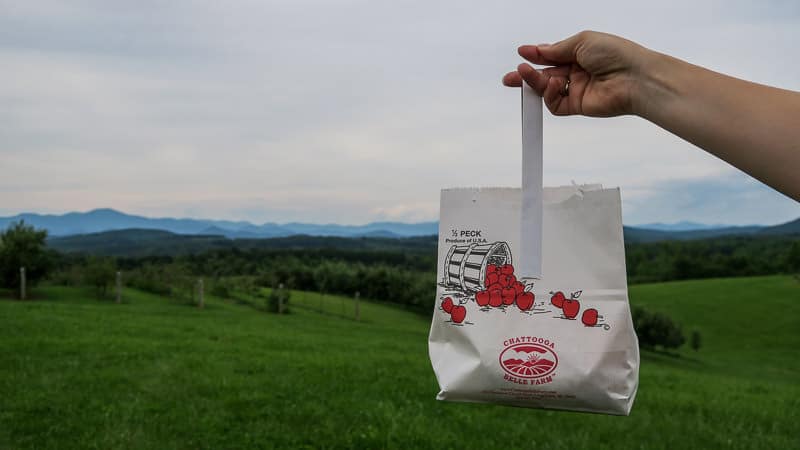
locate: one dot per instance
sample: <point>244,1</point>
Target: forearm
<point>753,127</point>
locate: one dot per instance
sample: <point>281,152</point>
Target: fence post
<point>119,286</point>
<point>280,298</point>
<point>200,292</point>
<point>22,288</point>
<point>358,312</point>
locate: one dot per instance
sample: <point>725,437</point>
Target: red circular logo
<point>528,360</point>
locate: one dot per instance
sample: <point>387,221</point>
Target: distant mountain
<point>100,220</point>
<point>680,226</point>
<point>103,220</point>
<point>638,234</point>
<point>147,242</point>
<point>792,227</point>
<point>139,242</point>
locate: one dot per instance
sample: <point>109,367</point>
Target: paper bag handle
<point>530,260</point>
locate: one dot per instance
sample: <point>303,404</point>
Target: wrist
<point>655,86</point>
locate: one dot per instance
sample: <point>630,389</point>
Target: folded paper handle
<point>530,259</point>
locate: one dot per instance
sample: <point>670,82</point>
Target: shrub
<point>695,340</point>
<point>100,274</point>
<point>278,301</point>
<point>23,246</point>
<point>67,276</point>
<point>221,288</point>
<point>656,329</point>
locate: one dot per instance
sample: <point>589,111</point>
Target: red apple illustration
<point>495,297</point>
<point>507,269</point>
<point>482,298</point>
<point>589,317</point>
<point>492,278</point>
<point>571,308</point>
<point>508,294</point>
<point>506,280</point>
<point>458,314</point>
<point>557,299</point>
<point>525,301</point>
<point>519,287</point>
<point>494,287</point>
<point>491,268</point>
<point>447,305</point>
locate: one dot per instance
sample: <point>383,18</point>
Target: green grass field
<point>77,372</point>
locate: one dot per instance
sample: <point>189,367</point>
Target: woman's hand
<point>752,126</point>
<point>603,72</point>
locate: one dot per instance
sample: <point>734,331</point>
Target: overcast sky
<point>349,111</point>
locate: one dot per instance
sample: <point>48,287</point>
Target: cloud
<point>735,199</point>
<point>346,111</point>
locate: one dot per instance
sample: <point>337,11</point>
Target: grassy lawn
<point>77,372</point>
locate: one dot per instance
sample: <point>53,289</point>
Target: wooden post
<point>119,286</point>
<point>200,292</point>
<point>22,288</point>
<point>280,298</point>
<point>358,312</point>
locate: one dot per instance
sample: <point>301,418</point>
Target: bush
<point>656,330</point>
<point>67,276</point>
<point>148,278</point>
<point>100,273</point>
<point>23,246</point>
<point>695,341</point>
<point>278,301</point>
<point>221,288</point>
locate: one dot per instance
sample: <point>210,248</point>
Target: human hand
<point>604,73</point>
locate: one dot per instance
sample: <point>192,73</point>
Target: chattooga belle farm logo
<point>528,360</point>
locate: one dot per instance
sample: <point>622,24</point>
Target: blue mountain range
<point>106,219</point>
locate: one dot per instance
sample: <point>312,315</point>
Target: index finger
<point>512,79</point>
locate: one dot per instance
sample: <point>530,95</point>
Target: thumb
<point>564,52</point>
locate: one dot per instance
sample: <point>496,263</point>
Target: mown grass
<point>77,372</point>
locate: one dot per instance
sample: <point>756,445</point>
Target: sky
<point>349,111</point>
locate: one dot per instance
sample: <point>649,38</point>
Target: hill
<point>105,219</point>
<point>102,220</point>
<point>143,242</point>
<point>76,372</point>
<point>637,235</point>
<point>683,225</point>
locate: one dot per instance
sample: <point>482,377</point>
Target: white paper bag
<point>561,340</point>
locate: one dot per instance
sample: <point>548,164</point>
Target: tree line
<point>401,276</point>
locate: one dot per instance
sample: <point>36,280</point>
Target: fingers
<point>552,97</point>
<point>549,84</point>
<point>532,54</point>
<point>563,52</point>
<point>527,74</point>
<point>534,78</point>
<point>512,79</point>
<point>560,71</point>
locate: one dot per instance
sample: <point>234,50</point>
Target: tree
<point>656,329</point>
<point>695,340</point>
<point>793,258</point>
<point>278,300</point>
<point>100,273</point>
<point>23,246</point>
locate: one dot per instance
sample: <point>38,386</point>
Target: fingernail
<point>543,45</point>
